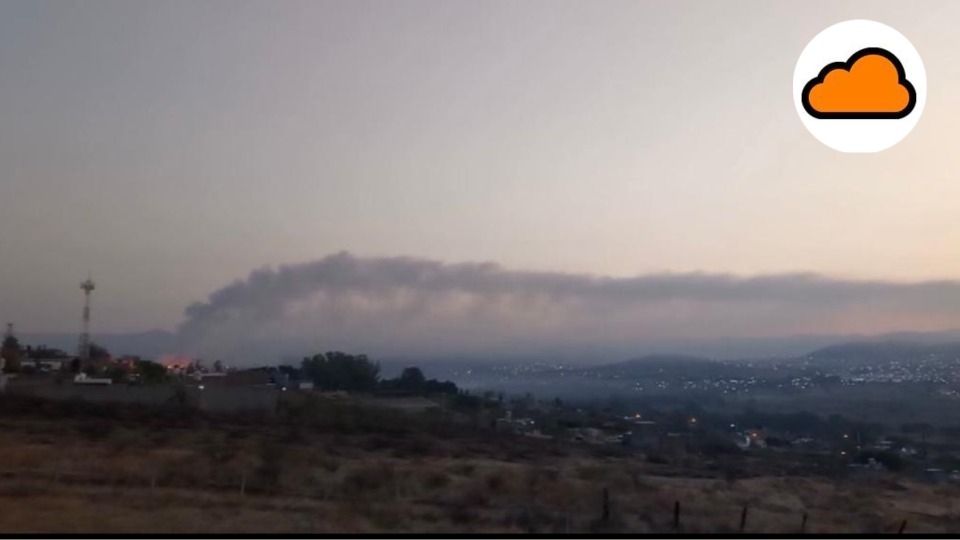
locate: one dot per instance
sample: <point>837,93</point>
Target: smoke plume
<point>404,307</point>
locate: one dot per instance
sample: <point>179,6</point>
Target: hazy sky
<point>171,147</point>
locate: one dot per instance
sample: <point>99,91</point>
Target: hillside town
<point>795,442</point>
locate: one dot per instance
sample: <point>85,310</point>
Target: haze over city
<point>507,177</point>
<point>479,267</point>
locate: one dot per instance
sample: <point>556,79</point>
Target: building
<point>643,434</point>
<point>82,378</point>
<point>514,425</point>
<point>675,443</point>
<point>246,377</point>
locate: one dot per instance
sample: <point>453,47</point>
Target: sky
<point>170,148</point>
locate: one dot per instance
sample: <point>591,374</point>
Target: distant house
<point>175,363</point>
<point>514,425</point>
<point>279,378</point>
<point>755,438</point>
<point>742,441</point>
<point>871,466</point>
<point>935,475</point>
<point>588,435</point>
<point>52,364</point>
<point>82,378</point>
<point>127,362</point>
<point>207,376</point>
<point>675,443</point>
<point>42,365</point>
<point>908,451</point>
<point>260,376</point>
<point>882,445</point>
<point>643,434</point>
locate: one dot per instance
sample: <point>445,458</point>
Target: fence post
<point>56,470</point>
<point>605,511</point>
<point>676,515</point>
<point>803,524</point>
<point>743,518</point>
<point>903,525</point>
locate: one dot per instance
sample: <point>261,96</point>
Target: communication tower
<point>84,350</point>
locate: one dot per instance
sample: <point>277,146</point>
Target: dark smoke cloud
<point>407,307</point>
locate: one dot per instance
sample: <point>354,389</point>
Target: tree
<point>43,351</point>
<point>116,374</point>
<point>11,353</point>
<point>291,373</point>
<point>218,366</point>
<point>151,372</point>
<point>890,460</point>
<point>98,353</point>
<point>10,342</point>
<point>341,371</point>
<point>433,386</point>
<point>411,380</point>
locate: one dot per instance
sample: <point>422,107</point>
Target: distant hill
<point>866,353</point>
<point>147,344</point>
<point>708,355</point>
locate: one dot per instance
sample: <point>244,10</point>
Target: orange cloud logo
<point>870,85</point>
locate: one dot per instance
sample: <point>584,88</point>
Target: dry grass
<point>71,477</point>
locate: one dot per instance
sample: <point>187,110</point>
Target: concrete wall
<point>146,395</point>
<point>234,399</point>
<point>213,399</point>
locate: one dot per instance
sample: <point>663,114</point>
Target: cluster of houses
<point>670,439</point>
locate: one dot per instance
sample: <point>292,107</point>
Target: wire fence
<point>246,483</point>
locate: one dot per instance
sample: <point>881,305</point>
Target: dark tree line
<point>341,371</point>
<point>411,380</point>
<point>356,373</point>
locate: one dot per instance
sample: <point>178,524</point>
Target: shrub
<point>496,481</point>
<point>369,481</point>
<point>96,429</point>
<point>271,462</point>
<point>436,480</point>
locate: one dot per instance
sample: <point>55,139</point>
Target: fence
<point>239,484</point>
<point>605,518</point>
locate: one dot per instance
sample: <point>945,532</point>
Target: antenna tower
<point>84,350</point>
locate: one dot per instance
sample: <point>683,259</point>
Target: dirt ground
<point>82,475</point>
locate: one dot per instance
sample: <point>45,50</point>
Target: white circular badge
<point>859,86</point>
